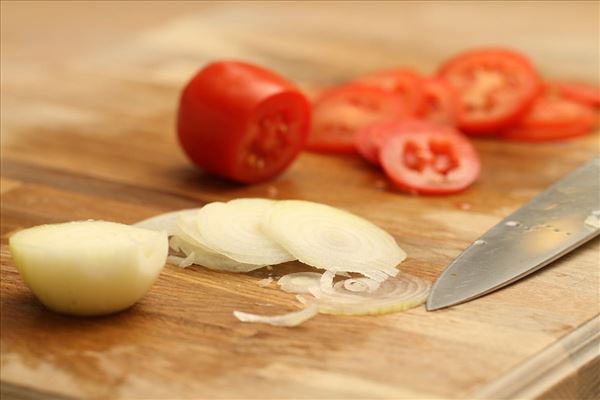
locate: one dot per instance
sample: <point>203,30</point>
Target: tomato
<point>441,102</point>
<point>339,113</point>
<point>553,116</point>
<point>405,82</point>
<point>580,92</point>
<point>370,139</point>
<point>439,161</point>
<point>241,121</point>
<point>495,88</point>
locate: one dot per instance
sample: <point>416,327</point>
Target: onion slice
<point>166,222</point>
<point>299,282</point>
<point>210,260</point>
<point>361,285</point>
<point>328,238</point>
<point>364,296</point>
<point>182,262</point>
<point>326,282</point>
<point>290,319</point>
<point>234,229</point>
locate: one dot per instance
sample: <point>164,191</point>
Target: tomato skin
<point>404,82</point>
<point>580,92</point>
<point>441,102</point>
<point>437,162</point>
<point>495,86</point>
<point>342,111</point>
<point>220,110</point>
<point>554,116</point>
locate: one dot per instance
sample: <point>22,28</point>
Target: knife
<point>555,222</point>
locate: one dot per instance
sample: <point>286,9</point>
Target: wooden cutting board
<point>93,137</point>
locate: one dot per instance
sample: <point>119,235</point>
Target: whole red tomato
<point>241,121</point>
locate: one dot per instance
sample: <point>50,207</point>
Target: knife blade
<point>552,224</point>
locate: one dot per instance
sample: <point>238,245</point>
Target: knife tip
<point>432,305</point>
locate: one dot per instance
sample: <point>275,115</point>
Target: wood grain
<point>87,132</point>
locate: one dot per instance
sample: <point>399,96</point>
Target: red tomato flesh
<point>580,92</point>
<point>441,102</point>
<point>369,140</point>
<point>404,82</point>
<point>440,161</point>
<point>553,116</point>
<point>339,113</point>
<point>241,121</point>
<point>495,88</point>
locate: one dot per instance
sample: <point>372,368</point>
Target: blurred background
<point>58,57</point>
<point>335,39</point>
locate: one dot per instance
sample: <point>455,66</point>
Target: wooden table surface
<point>88,98</point>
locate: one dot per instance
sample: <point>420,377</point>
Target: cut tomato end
<point>274,135</point>
<point>242,122</point>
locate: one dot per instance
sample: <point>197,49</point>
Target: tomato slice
<point>441,102</point>
<point>439,161</point>
<point>370,139</point>
<point>404,82</point>
<point>241,121</point>
<point>495,88</point>
<point>339,113</point>
<point>580,92</point>
<point>553,116</point>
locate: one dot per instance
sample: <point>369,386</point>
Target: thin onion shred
<point>265,282</point>
<point>288,320</point>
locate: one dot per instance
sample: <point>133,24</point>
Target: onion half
<point>290,319</point>
<point>234,229</point>
<point>328,238</point>
<point>364,296</point>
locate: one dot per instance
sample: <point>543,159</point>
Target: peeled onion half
<point>329,238</point>
<point>89,267</point>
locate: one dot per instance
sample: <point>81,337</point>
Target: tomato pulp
<point>241,121</point>
<point>495,88</point>
<point>438,161</point>
<point>441,102</point>
<point>341,112</point>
